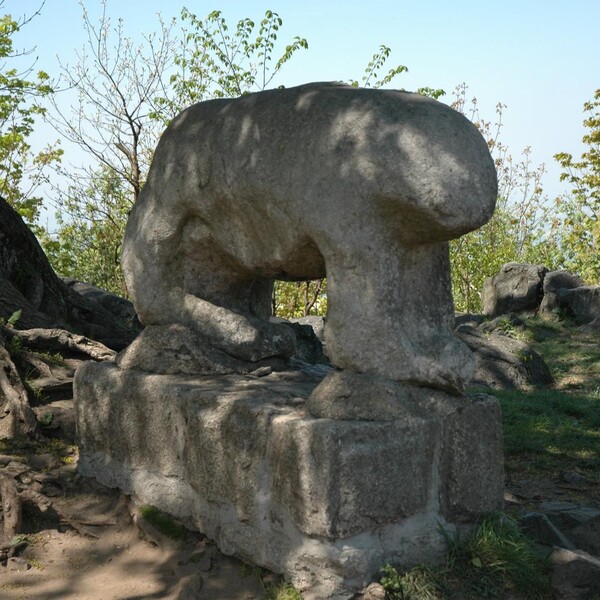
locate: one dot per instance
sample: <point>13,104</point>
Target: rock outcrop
<point>29,284</point>
<point>517,288</point>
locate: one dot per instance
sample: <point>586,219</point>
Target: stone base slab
<point>325,502</point>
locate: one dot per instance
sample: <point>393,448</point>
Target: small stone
<point>575,574</point>
<point>374,591</point>
<point>16,563</point>
<point>510,499</point>
<point>189,587</point>
<point>15,468</point>
<point>573,478</point>
<point>262,372</point>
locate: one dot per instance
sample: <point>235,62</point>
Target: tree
<point>87,245</point>
<point>126,93</point>
<point>515,231</point>
<point>21,94</point>
<point>214,63</point>
<point>577,226</point>
<point>116,83</point>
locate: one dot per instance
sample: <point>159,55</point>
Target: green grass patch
<point>572,355</point>
<point>550,430</point>
<point>492,561</point>
<point>162,522</point>
<point>282,591</point>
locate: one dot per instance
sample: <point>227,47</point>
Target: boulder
<point>580,304</point>
<point>309,347</point>
<point>503,362</point>
<point>554,282</point>
<point>29,284</point>
<point>517,288</point>
<point>121,309</point>
<point>575,574</point>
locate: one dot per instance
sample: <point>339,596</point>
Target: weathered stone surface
<point>29,284</point>
<point>503,362</point>
<point>317,324</point>
<point>366,186</point>
<point>309,347</point>
<point>361,397</point>
<point>554,281</point>
<point>581,304</point>
<point>121,309</point>
<point>325,501</point>
<point>575,574</point>
<point>518,288</point>
<point>587,536</point>
<point>471,463</point>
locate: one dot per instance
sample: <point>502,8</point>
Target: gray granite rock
<point>517,288</point>
<point>366,186</point>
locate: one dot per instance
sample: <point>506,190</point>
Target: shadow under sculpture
<point>320,474</point>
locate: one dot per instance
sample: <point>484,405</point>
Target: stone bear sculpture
<point>364,186</point>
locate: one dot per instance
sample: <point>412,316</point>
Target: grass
<point>20,448</point>
<point>494,560</point>
<point>162,522</point>
<point>548,431</point>
<point>282,591</point>
<point>556,428</point>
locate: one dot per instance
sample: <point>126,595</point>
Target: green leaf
<point>12,320</point>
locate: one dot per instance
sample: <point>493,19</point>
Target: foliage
<point>420,582</point>
<point>124,97</point>
<point>214,63</point>
<point>494,559</point>
<point>498,554</point>
<point>115,81</point>
<point>282,591</point>
<point>21,92</point>
<point>12,320</point>
<point>372,78</point>
<point>516,230</point>
<point>300,298</point>
<point>87,245</point>
<point>578,223</point>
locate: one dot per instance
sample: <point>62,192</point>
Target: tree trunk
<point>16,415</point>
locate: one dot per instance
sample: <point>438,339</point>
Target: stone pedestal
<point>325,501</point>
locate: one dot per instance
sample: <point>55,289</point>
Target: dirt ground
<point>92,543</point>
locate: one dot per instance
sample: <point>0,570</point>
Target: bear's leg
<point>177,274</point>
<point>390,313</point>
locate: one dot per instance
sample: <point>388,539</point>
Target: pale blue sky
<point>540,58</point>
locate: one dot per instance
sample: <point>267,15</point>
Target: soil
<point>92,543</point>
